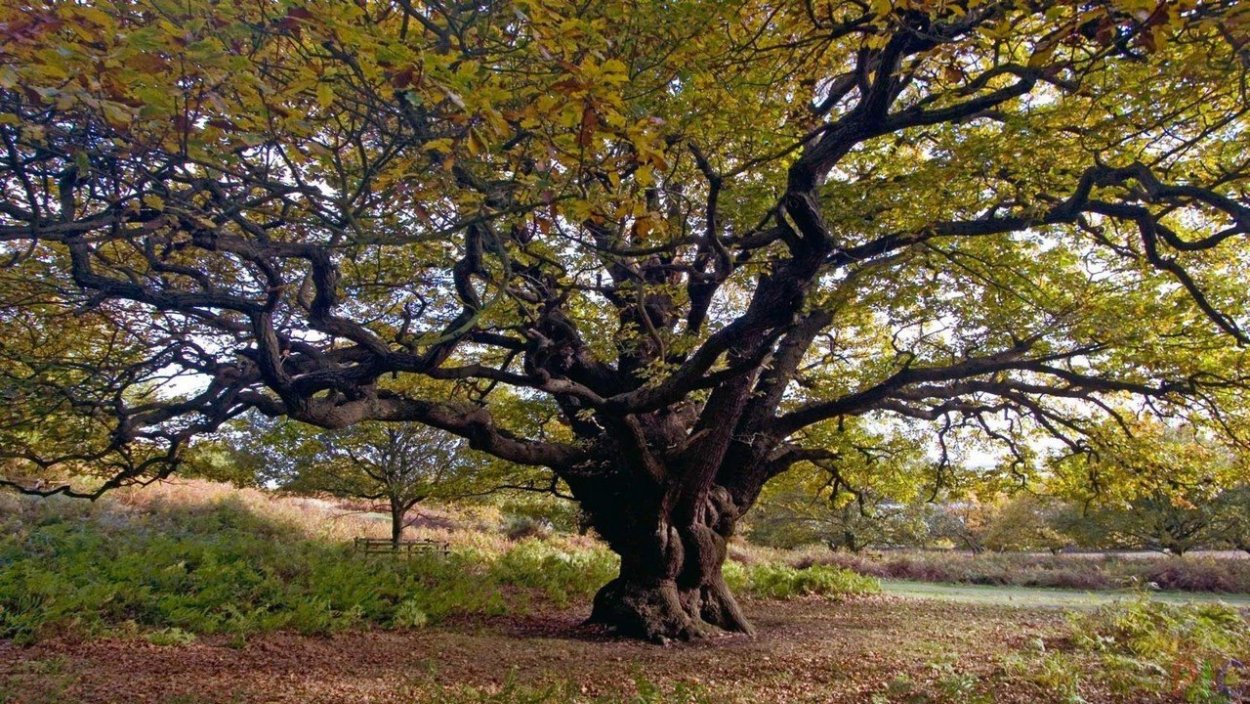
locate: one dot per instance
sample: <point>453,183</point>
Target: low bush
<point>1195,574</point>
<point>561,576</point>
<point>522,527</point>
<point>556,514</point>
<point>221,569</point>
<point>770,581</point>
<point>1144,646</point>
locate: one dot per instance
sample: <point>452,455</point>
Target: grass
<point>183,564</point>
<point>225,571</point>
<point>200,595</point>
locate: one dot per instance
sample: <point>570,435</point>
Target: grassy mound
<point>199,561</point>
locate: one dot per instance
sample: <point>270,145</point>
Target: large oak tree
<point>697,242</point>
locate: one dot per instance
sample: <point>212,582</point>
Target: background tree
<point>1159,522</point>
<point>963,522</point>
<point>848,522</point>
<point>225,459</point>
<point>869,491</point>
<point>855,526</point>
<point>401,465</point>
<point>1026,522</point>
<point>1233,506</point>
<point>1156,486</point>
<point>706,237</point>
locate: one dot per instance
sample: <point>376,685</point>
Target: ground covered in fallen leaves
<point>872,649</point>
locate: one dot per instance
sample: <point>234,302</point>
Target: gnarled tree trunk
<point>670,586</point>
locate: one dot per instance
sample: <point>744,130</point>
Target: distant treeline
<point>1023,522</point>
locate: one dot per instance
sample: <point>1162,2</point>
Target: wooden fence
<point>406,548</point>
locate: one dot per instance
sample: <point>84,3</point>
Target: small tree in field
<point>400,465</point>
<point>854,526</point>
<point>665,253</point>
<point>225,460</point>
<point>1159,487</point>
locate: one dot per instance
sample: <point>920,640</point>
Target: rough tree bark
<point>670,585</point>
<point>398,509</point>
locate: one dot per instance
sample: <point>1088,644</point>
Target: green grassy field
<point>200,594</point>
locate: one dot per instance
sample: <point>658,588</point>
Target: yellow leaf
<point>439,145</point>
<point>645,175</point>
<point>475,143</point>
<point>325,95</point>
<point>116,114</point>
<point>96,16</point>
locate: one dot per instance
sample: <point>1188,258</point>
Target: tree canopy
<point>665,250</point>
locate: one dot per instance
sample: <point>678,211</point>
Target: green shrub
<point>1055,673</point>
<point>218,568</point>
<point>524,527</point>
<point>561,576</point>
<point>558,514</point>
<point>781,582</point>
<point>409,615</point>
<point>222,570</point>
<point>1147,646</point>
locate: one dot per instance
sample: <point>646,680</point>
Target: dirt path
<point>808,651</point>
